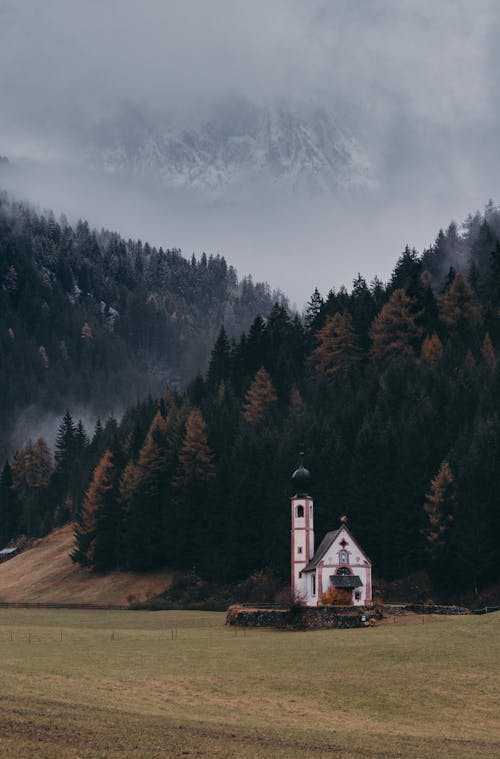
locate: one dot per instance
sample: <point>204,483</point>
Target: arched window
<point>343,571</point>
<point>344,557</point>
<point>300,512</point>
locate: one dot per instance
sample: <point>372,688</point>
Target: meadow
<point>181,684</point>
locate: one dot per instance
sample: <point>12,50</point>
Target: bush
<point>261,587</point>
<point>336,597</point>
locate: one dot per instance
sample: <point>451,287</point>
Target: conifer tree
<point>432,349</point>
<point>439,507</point>
<point>31,471</point>
<point>64,458</point>
<point>10,507</point>
<point>394,332</point>
<point>338,346</point>
<point>296,401</point>
<point>219,366</point>
<point>100,503</point>
<point>313,310</point>
<point>488,353</point>
<point>65,442</point>
<point>195,456</point>
<point>259,398</point>
<point>459,306</point>
<point>145,495</point>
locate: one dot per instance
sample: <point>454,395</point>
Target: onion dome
<point>301,478</point>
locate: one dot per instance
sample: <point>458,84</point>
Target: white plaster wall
<point>358,564</point>
<point>302,538</point>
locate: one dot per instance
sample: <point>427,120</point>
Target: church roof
<point>321,550</point>
<point>325,545</point>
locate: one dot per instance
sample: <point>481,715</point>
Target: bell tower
<point>302,525</point>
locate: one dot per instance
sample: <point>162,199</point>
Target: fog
<point>415,85</point>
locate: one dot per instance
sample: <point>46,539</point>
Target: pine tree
<point>394,332</point>
<point>313,310</point>
<point>259,398</point>
<point>338,346</point>
<point>65,441</point>
<point>220,360</point>
<point>145,496</point>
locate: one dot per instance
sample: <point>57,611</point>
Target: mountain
<point>238,145</point>
<point>91,320</point>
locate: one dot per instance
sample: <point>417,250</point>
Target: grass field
<point>180,684</point>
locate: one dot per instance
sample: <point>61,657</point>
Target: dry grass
<point>46,574</point>
<point>406,690</point>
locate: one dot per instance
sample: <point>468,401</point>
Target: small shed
<point>8,553</point>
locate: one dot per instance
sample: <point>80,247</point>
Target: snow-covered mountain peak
<point>239,145</point>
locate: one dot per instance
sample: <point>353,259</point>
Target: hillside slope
<point>46,574</point>
<point>93,321</point>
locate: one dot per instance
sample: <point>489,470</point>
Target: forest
<point>92,321</point>
<point>392,390</point>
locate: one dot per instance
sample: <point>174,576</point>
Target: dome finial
<point>301,478</point>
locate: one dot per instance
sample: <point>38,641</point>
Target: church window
<point>343,572</point>
<point>344,557</point>
<point>300,512</point>
<point>313,583</point>
<point>299,549</point>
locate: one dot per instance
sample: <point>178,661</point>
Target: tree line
<point>393,392</point>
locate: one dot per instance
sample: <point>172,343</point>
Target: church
<point>339,565</point>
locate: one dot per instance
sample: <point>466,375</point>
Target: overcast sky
<point>416,81</point>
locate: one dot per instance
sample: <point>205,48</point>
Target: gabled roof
<point>321,550</point>
<point>325,545</point>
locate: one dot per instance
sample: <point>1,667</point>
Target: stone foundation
<point>298,618</point>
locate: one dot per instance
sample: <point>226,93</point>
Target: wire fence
<point>81,606</point>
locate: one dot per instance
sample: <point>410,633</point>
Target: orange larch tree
<point>432,349</point>
<point>259,398</point>
<point>100,497</point>
<point>394,331</point>
<point>439,508</point>
<point>488,353</point>
<point>459,306</point>
<point>338,346</point>
<point>195,457</point>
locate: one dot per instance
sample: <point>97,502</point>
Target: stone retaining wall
<point>296,619</point>
<point>424,609</point>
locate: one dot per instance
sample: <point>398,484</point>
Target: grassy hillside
<point>118,684</point>
<point>46,574</point>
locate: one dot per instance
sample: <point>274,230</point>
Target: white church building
<point>339,562</point>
